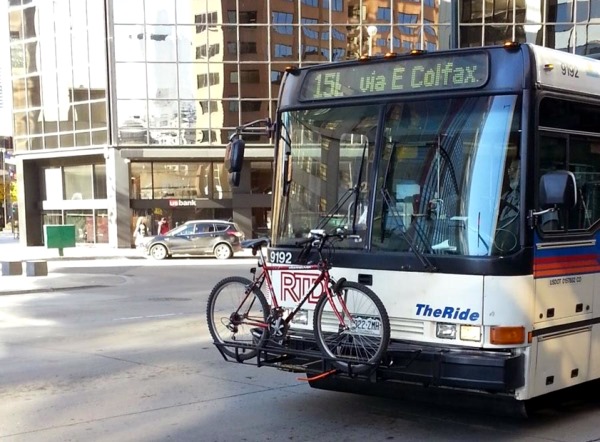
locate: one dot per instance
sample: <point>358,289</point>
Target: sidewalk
<point>12,250</point>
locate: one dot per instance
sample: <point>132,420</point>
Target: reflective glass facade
<point>166,82</point>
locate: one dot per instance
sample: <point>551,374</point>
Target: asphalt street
<point>83,256</point>
<point>124,354</point>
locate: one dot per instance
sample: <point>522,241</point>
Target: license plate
<point>367,325</point>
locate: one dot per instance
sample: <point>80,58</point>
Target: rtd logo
<point>294,286</point>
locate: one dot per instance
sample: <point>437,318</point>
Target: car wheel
<point>223,251</point>
<point>158,252</point>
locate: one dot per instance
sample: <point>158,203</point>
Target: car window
<point>221,227</point>
<point>186,230</point>
<point>202,228</point>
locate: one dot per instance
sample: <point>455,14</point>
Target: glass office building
<point>122,109</point>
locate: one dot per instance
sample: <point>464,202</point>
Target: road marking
<point>148,317</point>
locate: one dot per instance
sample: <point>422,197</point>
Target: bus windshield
<point>433,177</point>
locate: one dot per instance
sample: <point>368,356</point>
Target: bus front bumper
<point>494,371</point>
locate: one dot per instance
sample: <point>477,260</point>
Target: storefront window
<point>100,181</point>
<point>53,184</point>
<point>181,180</point>
<point>84,224</point>
<point>261,222</point>
<point>101,226</point>
<point>261,176</point>
<point>53,217</point>
<point>78,182</point>
<point>141,181</point>
<point>222,188</point>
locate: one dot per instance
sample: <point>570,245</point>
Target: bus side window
<point>553,150</point>
<point>584,162</point>
<point>571,144</point>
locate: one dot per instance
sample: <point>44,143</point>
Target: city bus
<point>472,177</point>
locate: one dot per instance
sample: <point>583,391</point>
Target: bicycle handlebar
<point>318,238</point>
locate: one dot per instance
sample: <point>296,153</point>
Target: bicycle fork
<point>342,314</point>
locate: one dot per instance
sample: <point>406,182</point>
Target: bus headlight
<point>301,317</point>
<point>470,333</point>
<point>445,331</point>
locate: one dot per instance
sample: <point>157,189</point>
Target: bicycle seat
<point>255,244</point>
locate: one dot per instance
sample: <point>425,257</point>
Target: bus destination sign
<point>408,75</point>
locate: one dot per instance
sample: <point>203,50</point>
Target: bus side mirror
<point>558,189</point>
<point>234,156</point>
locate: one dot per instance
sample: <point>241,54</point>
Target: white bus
<point>473,178</point>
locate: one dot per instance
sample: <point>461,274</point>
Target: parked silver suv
<point>199,237</point>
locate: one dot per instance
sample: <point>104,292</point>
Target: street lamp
<point>371,31</point>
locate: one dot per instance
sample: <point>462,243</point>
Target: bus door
<point>566,261</point>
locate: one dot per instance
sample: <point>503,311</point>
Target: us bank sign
<point>182,203</point>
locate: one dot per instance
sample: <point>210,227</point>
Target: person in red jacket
<point>163,226</point>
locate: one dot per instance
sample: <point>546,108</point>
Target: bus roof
<point>565,71</point>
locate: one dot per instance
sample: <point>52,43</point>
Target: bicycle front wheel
<point>354,343</point>
<point>237,315</point>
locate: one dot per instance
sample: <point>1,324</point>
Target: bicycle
<point>350,323</point>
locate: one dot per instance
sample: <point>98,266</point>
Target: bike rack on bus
<point>310,361</point>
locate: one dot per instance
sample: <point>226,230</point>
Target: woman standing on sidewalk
<point>140,231</point>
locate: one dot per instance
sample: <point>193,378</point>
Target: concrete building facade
<point>122,109</point>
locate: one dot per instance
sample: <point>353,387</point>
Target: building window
<point>78,182</point>
<point>310,50</point>
<point>245,17</point>
<point>83,220</point>
<point>407,19</point>
<point>338,35</point>
<point>204,80</point>
<point>141,180</point>
<point>209,106</point>
<point>100,181</point>
<point>205,20</point>
<point>245,47</point>
<point>245,106</point>
<point>309,32</point>
<point>213,50</point>
<point>384,14</point>
<point>276,77</point>
<point>282,22</point>
<point>338,54</point>
<point>429,27</point>
<point>282,51</point>
<point>250,106</point>
<point>53,184</point>
<point>249,76</point>
<point>166,180</point>
<point>261,176</point>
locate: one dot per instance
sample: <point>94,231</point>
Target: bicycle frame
<point>324,278</point>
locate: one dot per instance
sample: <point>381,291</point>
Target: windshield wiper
<point>355,190</point>
<point>389,170</point>
<point>336,207</point>
<point>396,215</point>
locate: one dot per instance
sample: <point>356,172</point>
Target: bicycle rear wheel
<point>233,313</point>
<point>362,343</point>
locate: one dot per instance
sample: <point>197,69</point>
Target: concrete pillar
<point>29,197</point>
<point>119,212</point>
